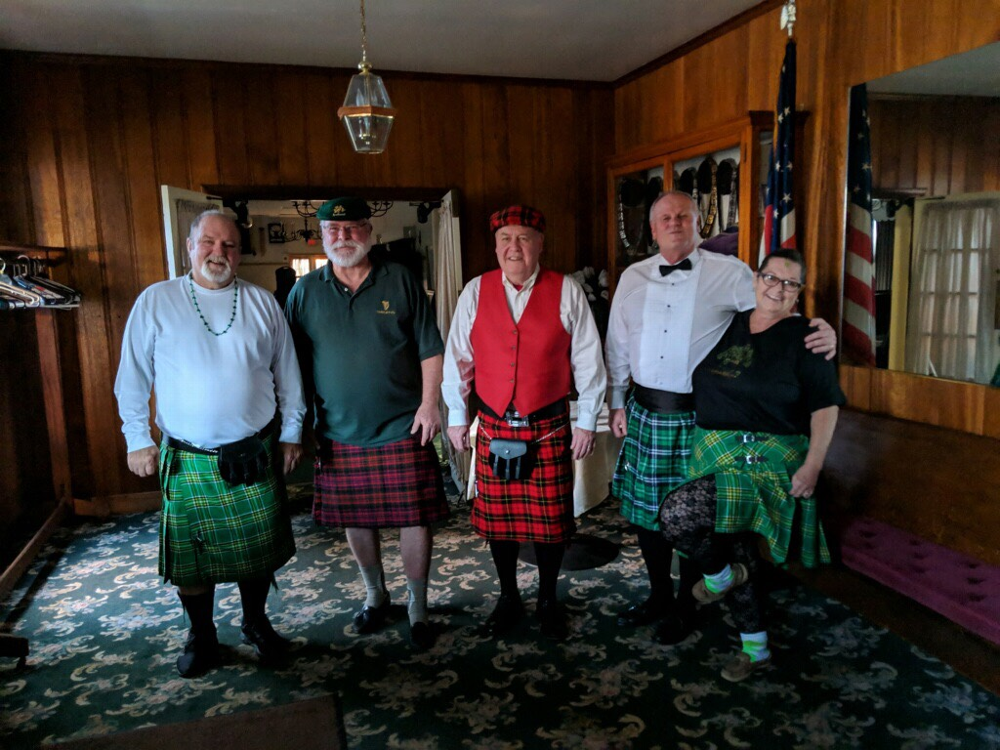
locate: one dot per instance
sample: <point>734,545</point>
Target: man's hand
<point>804,481</point>
<point>459,437</point>
<point>618,423</point>
<point>427,422</point>
<point>142,462</point>
<point>291,454</point>
<point>583,443</point>
<point>823,340</point>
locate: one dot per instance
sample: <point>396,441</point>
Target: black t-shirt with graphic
<point>764,382</point>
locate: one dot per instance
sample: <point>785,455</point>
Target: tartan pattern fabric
<point>653,461</point>
<point>754,496</point>
<point>372,487</point>
<point>213,532</point>
<point>538,509</point>
<point>522,216</point>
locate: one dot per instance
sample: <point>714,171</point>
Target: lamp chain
<point>364,38</point>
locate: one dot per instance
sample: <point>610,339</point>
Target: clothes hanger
<point>13,292</point>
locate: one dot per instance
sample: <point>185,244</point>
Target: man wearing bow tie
<point>667,313</point>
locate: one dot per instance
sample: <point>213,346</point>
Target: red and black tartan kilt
<point>538,509</point>
<point>386,486</point>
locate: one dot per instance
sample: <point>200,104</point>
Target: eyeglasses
<point>787,285</point>
<point>348,230</point>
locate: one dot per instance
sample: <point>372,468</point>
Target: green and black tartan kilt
<point>212,532</point>
<point>653,462</point>
<point>754,496</point>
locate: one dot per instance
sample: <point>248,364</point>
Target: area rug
<point>105,633</point>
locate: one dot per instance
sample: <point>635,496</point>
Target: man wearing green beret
<point>371,356</point>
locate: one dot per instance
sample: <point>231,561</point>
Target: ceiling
<point>591,40</point>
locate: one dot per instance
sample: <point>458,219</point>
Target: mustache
<point>348,244</point>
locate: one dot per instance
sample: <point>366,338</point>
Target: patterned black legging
<point>687,518</point>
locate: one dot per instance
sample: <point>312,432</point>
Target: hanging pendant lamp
<point>367,112</point>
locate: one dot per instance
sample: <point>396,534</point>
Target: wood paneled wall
<point>943,144</point>
<point>842,43</point>
<point>85,144</point>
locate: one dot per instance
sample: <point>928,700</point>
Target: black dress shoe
<point>267,644</point>
<point>369,619</point>
<point>422,635</point>
<point>673,629</point>
<point>201,653</point>
<point>643,614</point>
<point>504,617</point>
<point>552,620</point>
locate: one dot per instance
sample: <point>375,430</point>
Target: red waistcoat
<point>526,363</point>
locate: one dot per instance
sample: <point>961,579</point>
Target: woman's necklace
<point>232,318</point>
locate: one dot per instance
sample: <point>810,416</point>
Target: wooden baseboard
<point>21,563</point>
<point>116,505</point>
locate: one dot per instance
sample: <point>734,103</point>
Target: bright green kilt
<point>212,532</point>
<point>653,462</point>
<point>755,496</point>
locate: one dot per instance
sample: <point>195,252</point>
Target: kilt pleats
<point>388,486</point>
<point>537,509</point>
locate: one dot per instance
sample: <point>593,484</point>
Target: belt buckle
<point>746,437</point>
<point>516,420</point>
<point>750,459</point>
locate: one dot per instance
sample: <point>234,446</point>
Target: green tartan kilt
<point>755,496</point>
<point>653,462</point>
<point>213,532</point>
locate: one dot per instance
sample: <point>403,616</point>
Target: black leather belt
<point>662,402</point>
<point>188,448</point>
<point>511,416</point>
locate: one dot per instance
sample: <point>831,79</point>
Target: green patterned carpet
<point>105,633</point>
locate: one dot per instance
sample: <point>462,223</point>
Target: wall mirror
<point>935,165</point>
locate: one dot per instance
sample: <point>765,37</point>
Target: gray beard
<point>349,261</point>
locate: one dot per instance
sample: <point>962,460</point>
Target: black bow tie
<point>684,265</point>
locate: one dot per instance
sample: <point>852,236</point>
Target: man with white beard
<point>371,356</point>
<point>217,353</point>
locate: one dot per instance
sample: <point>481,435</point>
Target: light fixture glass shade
<point>367,112</point>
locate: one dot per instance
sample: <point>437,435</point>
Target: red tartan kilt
<point>539,509</point>
<point>387,486</point>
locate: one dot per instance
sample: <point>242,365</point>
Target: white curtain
<point>950,327</point>
<point>448,285</point>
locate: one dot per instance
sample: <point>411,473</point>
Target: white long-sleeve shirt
<point>210,390</point>
<point>662,327</point>
<point>586,361</point>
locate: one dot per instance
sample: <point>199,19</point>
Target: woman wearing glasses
<point>765,409</point>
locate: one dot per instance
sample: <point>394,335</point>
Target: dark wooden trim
<point>246,68</point>
<point>301,192</point>
<point>711,35</point>
<point>27,555</point>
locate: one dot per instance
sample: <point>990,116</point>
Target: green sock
<point>755,645</point>
<point>720,581</point>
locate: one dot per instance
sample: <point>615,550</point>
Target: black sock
<point>549,558</point>
<point>253,597</point>
<point>657,554</point>
<point>690,574</point>
<point>505,559</point>
<point>199,608</point>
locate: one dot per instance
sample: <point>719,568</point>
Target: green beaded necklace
<point>232,319</point>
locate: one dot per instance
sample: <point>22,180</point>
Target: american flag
<point>779,216</point>
<point>859,266</point>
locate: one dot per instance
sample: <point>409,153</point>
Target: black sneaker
<point>267,644</point>
<point>201,653</point>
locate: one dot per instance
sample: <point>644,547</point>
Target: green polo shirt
<point>360,353</point>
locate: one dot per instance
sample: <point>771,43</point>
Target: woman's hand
<point>804,481</point>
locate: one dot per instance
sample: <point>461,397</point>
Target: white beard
<point>358,252</point>
<point>217,277</point>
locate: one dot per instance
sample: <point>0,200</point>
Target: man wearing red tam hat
<point>524,336</point>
